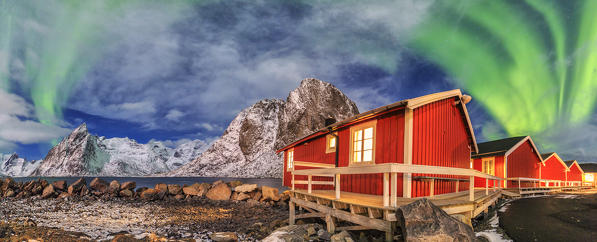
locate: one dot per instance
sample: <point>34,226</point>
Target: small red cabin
<point>553,168</point>
<point>575,173</point>
<point>433,130</point>
<point>515,157</point>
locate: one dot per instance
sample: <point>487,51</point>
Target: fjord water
<point>151,181</point>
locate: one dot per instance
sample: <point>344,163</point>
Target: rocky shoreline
<point>106,211</point>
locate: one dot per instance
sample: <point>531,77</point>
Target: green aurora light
<point>532,64</point>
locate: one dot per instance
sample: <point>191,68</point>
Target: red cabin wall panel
<point>575,174</point>
<point>440,138</point>
<point>523,162</point>
<point>553,170</point>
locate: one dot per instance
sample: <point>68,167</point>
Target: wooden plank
<point>291,217</point>
<point>486,205</point>
<point>471,188</point>
<point>310,215</point>
<point>394,187</point>
<point>346,216</point>
<point>386,189</point>
<point>310,180</point>
<point>375,213</point>
<point>331,226</point>
<point>315,182</point>
<point>313,164</point>
<point>350,228</point>
<point>337,186</point>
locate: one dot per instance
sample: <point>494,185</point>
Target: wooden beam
<point>394,197</point>
<point>313,164</point>
<point>408,153</point>
<point>291,217</point>
<point>309,178</point>
<point>386,189</point>
<point>331,183</point>
<point>349,228</point>
<point>331,226</point>
<point>310,215</point>
<point>337,180</point>
<point>486,186</point>
<point>293,181</point>
<point>471,189</point>
<point>431,187</point>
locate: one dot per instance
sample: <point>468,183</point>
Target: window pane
<point>368,155</point>
<point>368,133</point>
<point>332,142</point>
<point>358,135</point>
<point>368,144</point>
<point>357,156</point>
<point>358,145</point>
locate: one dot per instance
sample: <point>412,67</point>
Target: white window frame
<point>491,162</point>
<point>362,127</point>
<point>290,160</point>
<point>328,147</point>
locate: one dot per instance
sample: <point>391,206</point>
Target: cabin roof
<point>547,155</point>
<point>412,103</point>
<point>589,167</point>
<point>569,162</point>
<point>498,147</point>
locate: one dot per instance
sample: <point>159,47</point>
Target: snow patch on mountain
<point>14,166</point>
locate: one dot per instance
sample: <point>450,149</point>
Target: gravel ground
<point>96,219</point>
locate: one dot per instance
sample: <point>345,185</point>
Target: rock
<point>218,182</point>
<point>342,237</point>
<point>179,197</point>
<point>126,193</point>
<point>234,184</point>
<point>99,185</point>
<point>324,235</point>
<point>8,183</point>
<point>63,195</point>
<point>257,196</point>
<point>129,185</point>
<point>293,233</point>
<point>192,190</point>
<point>59,185</point>
<point>76,186</point>
<point>23,194</point>
<point>423,221</point>
<point>224,236</point>
<point>37,188</point>
<point>246,188</point>
<point>84,191</point>
<point>9,193</point>
<point>114,187</point>
<point>219,192</point>
<point>252,202</point>
<point>43,183</point>
<point>30,223</point>
<point>270,193</point>
<point>161,187</point>
<point>48,192</point>
<point>149,194</point>
<point>174,189</point>
<point>242,197</point>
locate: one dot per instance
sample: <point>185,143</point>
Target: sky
<point>175,71</point>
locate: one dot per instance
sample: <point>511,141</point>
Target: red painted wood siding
<point>553,170</point>
<point>523,162</point>
<point>575,174</point>
<point>312,151</point>
<point>499,170</point>
<point>440,138</point>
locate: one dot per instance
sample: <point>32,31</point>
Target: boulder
<point>196,189</point>
<point>219,192</point>
<point>76,186</point>
<point>344,237</point>
<point>174,189</point>
<point>98,185</point>
<point>270,193</point>
<point>140,190</point>
<point>84,191</point>
<point>8,183</point>
<point>48,192</point>
<point>234,184</point>
<point>129,185</point>
<point>246,188</point>
<point>114,187</point>
<point>37,188</point>
<point>242,197</point>
<point>256,196</point>
<point>126,193</point>
<point>179,197</point>
<point>9,193</point>
<point>423,221</point>
<point>162,190</point>
<point>149,194</point>
<point>64,195</point>
<point>23,194</point>
<point>218,182</point>
<point>44,183</point>
<point>224,236</point>
<point>59,185</point>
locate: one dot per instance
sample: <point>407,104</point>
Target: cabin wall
<point>499,170</point>
<point>553,170</point>
<point>523,162</point>
<point>440,138</point>
<point>312,151</point>
<point>575,174</point>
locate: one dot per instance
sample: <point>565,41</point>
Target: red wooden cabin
<point>432,130</point>
<point>554,169</point>
<point>575,173</point>
<point>515,157</point>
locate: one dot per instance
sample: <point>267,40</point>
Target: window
<point>290,159</point>
<point>330,141</point>
<point>362,140</point>
<point>589,177</point>
<point>489,166</point>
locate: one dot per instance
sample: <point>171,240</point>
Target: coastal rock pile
<point>98,188</point>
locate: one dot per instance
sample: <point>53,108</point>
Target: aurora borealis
<point>182,69</point>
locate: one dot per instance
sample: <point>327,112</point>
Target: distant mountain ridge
<point>13,165</point>
<point>248,146</point>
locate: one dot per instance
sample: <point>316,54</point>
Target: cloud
<point>174,115</point>
<point>17,125</point>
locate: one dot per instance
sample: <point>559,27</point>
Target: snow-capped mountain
<point>84,154</point>
<point>13,165</point>
<point>247,147</point>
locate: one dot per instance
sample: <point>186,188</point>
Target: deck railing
<point>390,176</point>
<point>537,182</point>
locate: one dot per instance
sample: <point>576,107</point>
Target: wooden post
<point>310,178</point>
<point>431,187</point>
<point>519,183</point>
<point>337,186</point>
<point>394,198</point>
<point>486,186</point>
<point>291,217</point>
<point>471,191</point>
<point>390,232</point>
<point>386,189</point>
<point>293,181</point>
<point>458,185</point>
<point>331,226</point>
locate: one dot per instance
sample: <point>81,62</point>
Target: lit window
<point>290,158</point>
<point>589,177</point>
<point>362,139</point>
<point>489,166</point>
<point>330,143</point>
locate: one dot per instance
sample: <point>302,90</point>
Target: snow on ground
<point>492,234</point>
<point>567,196</point>
<point>504,207</point>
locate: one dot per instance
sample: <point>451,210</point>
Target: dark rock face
<point>114,187</point>
<point>99,185</point>
<point>59,185</point>
<point>247,147</point>
<point>75,155</point>
<point>76,186</point>
<point>423,221</point>
<point>174,189</point>
<point>130,185</point>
